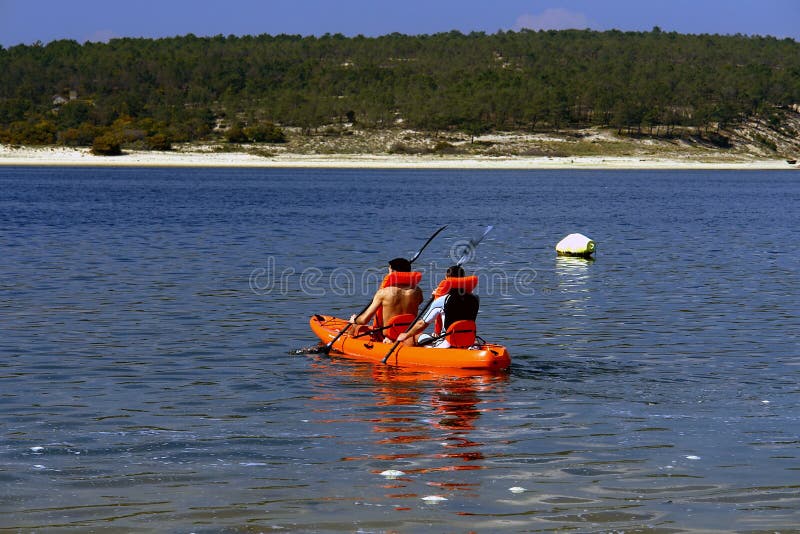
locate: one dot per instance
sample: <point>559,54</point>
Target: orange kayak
<point>487,357</point>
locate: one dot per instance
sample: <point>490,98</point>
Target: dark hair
<point>456,271</point>
<point>400,265</point>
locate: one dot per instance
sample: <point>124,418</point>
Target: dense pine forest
<point>150,93</point>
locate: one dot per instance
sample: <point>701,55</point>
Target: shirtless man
<point>397,299</point>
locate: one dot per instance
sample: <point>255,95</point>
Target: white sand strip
<point>60,156</point>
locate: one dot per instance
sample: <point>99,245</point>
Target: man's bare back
<point>399,300</point>
<point>393,301</point>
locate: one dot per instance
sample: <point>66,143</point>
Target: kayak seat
<point>398,324</point>
<point>461,334</point>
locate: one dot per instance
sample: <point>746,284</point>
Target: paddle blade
<point>319,349</point>
<point>472,245</point>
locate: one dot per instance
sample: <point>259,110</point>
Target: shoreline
<point>81,157</point>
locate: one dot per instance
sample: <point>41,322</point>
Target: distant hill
<point>150,93</point>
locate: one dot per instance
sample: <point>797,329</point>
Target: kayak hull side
<point>490,356</point>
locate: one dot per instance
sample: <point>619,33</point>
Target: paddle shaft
<point>431,238</point>
<point>463,258</point>
<point>343,330</point>
<point>416,319</point>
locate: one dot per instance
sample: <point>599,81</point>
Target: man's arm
<point>418,327</point>
<point>376,303</point>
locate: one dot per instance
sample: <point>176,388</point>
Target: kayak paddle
<point>325,349</point>
<point>471,247</point>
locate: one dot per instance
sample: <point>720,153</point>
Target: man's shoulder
<point>390,290</point>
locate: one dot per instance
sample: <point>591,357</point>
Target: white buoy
<point>576,245</point>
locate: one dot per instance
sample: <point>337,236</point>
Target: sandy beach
<point>60,156</point>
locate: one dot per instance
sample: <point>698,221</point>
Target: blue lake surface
<point>147,320</point>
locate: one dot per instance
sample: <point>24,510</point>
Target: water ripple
<point>145,386</point>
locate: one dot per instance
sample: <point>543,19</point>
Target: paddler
<point>454,302</point>
<point>396,302</point>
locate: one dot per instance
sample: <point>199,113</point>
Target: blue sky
<point>28,21</point>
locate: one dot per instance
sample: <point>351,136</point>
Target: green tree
<point>106,145</point>
<point>657,80</point>
<point>158,141</point>
<point>235,134</point>
<point>264,133</point>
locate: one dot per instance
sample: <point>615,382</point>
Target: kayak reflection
<point>423,421</point>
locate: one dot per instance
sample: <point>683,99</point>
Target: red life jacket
<point>399,279</point>
<point>467,283</point>
<point>396,278</point>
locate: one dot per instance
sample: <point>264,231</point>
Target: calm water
<point>147,316</point>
